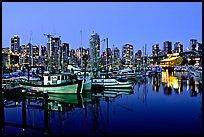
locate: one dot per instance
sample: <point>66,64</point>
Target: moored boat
<point>54,83</point>
<point>111,83</point>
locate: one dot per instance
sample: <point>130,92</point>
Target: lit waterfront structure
<point>155,50</point>
<point>127,55</point>
<point>94,44</point>
<point>15,44</point>
<point>178,47</point>
<point>167,47</point>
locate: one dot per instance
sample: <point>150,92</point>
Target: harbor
<point>101,68</point>
<point>173,98</point>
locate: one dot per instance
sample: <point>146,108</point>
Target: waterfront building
<point>193,43</point>
<point>65,54</point>
<point>106,61</point>
<point>87,58</point>
<point>80,53</point>
<point>178,47</point>
<point>54,52</point>
<point>14,61</point>
<point>94,44</point>
<point>15,44</point>
<point>199,46</point>
<point>10,60</point>
<point>35,55</point>
<point>138,60</point>
<point>42,58</point>
<point>6,57</point>
<point>73,59</point>
<point>155,50</point>
<point>116,57</point>
<point>127,55</point>
<point>29,55</point>
<point>43,50</point>
<point>167,47</point>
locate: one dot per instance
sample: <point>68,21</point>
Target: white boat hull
<point>119,86</point>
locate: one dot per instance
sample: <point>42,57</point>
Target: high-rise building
<point>72,57</point>
<point>6,57</point>
<point>43,50</point>
<point>138,60</point>
<point>178,47</point>
<point>155,50</point>
<point>167,47</point>
<point>127,55</point>
<point>200,46</point>
<point>35,56</point>
<point>94,44</point>
<point>116,57</point>
<point>55,53</point>
<point>15,44</point>
<point>193,43</point>
<point>42,56</point>
<point>65,54</point>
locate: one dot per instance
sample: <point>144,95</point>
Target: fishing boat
<point>54,83</point>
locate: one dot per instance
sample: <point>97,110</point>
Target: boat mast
<point>81,47</point>
<point>62,58</point>
<point>107,58</point>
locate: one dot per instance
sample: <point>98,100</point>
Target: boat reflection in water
<point>67,102</point>
<point>164,104</point>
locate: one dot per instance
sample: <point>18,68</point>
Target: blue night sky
<point>135,23</point>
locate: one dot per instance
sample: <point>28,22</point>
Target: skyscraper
<point>155,50</point>
<point>127,55</point>
<point>167,47</point>
<point>94,43</point>
<point>193,43</point>
<point>178,47</point>
<point>116,57</point>
<point>55,52</point>
<point>15,44</point>
<point>65,53</point>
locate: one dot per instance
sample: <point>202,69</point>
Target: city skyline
<point>126,23</point>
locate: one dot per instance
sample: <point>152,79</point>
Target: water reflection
<point>176,81</point>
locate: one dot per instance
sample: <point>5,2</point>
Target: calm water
<point>166,104</point>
